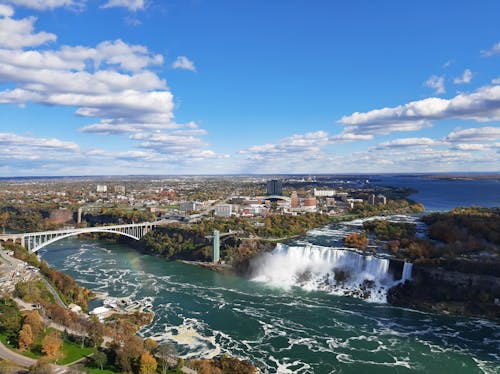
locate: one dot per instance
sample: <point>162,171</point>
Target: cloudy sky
<point>269,86</point>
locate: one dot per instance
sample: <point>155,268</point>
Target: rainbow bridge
<point>34,241</point>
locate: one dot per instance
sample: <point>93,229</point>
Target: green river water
<point>280,329</point>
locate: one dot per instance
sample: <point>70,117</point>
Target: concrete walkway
<point>15,357</point>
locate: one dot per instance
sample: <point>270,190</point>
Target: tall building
<point>372,200</point>
<point>274,187</point>
<point>224,210</point>
<point>102,188</point>
<point>294,200</point>
<point>119,189</point>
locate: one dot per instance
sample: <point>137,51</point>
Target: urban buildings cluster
<point>190,198</point>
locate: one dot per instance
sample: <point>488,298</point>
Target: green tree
<point>100,359</point>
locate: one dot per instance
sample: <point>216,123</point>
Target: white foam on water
<point>187,334</point>
<point>338,271</point>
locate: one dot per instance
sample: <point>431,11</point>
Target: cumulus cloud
<point>10,139</point>
<point>436,83</point>
<point>494,50</point>
<point>133,5</point>
<point>19,33</point>
<point>6,11</point>
<point>19,152</point>
<point>483,105</point>
<point>303,147</point>
<point>479,134</point>
<point>111,82</point>
<point>465,78</point>
<point>182,62</point>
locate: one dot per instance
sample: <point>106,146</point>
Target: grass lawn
<point>72,352</point>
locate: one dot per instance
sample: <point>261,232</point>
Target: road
<point>53,292</point>
<point>14,357</point>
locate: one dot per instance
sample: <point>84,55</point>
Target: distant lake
<point>446,194</point>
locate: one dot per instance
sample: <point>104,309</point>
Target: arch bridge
<point>34,241</point>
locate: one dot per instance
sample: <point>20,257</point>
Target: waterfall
<point>407,268</point>
<point>338,271</point>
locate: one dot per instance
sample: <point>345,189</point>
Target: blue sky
<point>212,87</point>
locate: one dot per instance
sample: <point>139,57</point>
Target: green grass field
<point>70,352</point>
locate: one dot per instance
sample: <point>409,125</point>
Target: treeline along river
<point>296,324</point>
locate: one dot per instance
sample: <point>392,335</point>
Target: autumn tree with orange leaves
<point>51,344</point>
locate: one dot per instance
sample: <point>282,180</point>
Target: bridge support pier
<point>216,247</point>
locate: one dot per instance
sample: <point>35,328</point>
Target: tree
<point>129,353</point>
<point>41,367</point>
<point>166,353</point>
<point>25,337</point>
<point>33,319</point>
<point>148,364</point>
<point>100,359</point>
<point>51,344</point>
<point>4,217</point>
<point>150,344</point>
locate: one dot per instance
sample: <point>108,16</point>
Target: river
<point>286,328</point>
<point>286,322</point>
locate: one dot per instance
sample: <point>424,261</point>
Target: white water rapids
<point>338,271</point>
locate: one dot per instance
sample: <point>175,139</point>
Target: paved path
<point>15,357</point>
<point>21,360</point>
<point>53,291</point>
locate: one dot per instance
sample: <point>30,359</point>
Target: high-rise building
<point>102,188</point>
<point>294,200</point>
<point>274,187</point>
<point>119,189</point>
<point>224,210</point>
<point>372,199</point>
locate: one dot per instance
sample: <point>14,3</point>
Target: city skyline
<point>195,87</point>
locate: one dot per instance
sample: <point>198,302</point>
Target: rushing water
<point>285,328</point>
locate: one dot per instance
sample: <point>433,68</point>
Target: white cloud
<point>110,82</point>
<point>23,150</point>
<point>48,4</point>
<point>479,134</point>
<point>133,5</point>
<point>408,143</point>
<point>472,147</point>
<point>496,81</point>
<point>347,137</point>
<point>465,78</point>
<point>6,11</point>
<point>483,105</point>
<point>494,50</point>
<point>297,147</point>
<point>448,63</point>
<point>436,83</point>
<point>182,62</point>
<point>19,33</point>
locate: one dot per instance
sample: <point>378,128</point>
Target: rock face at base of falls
<point>446,289</point>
